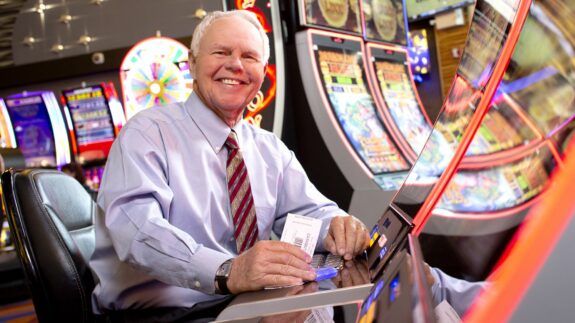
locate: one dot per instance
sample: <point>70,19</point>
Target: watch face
<point>224,269</point>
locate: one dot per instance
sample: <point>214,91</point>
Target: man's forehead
<point>231,29</point>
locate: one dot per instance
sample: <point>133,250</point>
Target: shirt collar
<point>214,129</point>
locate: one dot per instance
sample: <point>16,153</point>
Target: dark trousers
<point>201,312</point>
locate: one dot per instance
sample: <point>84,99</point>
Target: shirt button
<point>197,284</point>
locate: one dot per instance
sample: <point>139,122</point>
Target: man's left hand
<point>347,237</point>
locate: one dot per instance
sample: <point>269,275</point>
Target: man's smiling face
<point>229,67</point>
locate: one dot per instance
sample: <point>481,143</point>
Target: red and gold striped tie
<point>241,199</point>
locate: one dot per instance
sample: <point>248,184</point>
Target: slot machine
<point>38,127</point>
<point>95,116</point>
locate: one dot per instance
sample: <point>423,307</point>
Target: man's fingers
<point>284,247</point>
<point>351,228</point>
<point>289,271</point>
<point>329,244</point>
<point>284,258</point>
<point>281,280</point>
<point>337,231</point>
<point>362,241</point>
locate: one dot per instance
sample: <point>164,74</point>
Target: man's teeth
<point>229,81</point>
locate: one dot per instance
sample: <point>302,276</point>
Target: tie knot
<point>232,141</point>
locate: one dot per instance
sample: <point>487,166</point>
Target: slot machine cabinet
<point>39,128</point>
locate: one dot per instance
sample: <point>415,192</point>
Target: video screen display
<point>549,102</point>
<point>400,98</point>
<point>445,137</point>
<point>333,14</point>
<point>440,148</point>
<point>385,21</point>
<point>486,38</point>
<point>342,76</point>
<point>33,130</point>
<point>502,128</point>
<point>500,187</point>
<point>90,116</point>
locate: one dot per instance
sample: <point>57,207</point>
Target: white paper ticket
<point>301,231</point>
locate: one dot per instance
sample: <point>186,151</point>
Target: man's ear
<point>192,65</point>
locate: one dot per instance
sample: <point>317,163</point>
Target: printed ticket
<point>301,231</point>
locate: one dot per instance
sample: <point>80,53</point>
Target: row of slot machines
<point>81,129</point>
<point>360,93</point>
<point>364,104</point>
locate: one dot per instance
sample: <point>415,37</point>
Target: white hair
<point>211,17</point>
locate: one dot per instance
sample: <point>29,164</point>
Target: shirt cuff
<point>211,261</point>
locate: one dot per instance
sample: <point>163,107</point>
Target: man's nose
<point>234,63</point>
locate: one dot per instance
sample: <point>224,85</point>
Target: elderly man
<point>191,192</point>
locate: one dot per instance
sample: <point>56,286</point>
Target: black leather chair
<point>51,218</point>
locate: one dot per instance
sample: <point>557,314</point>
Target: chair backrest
<point>51,217</point>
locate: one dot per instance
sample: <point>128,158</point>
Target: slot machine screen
<point>331,14</point>
<point>33,130</point>
<point>344,82</point>
<point>385,21</point>
<point>396,87</point>
<point>497,188</point>
<point>91,121</point>
<point>491,23</point>
<point>501,129</point>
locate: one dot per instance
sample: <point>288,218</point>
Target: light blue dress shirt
<point>167,224</point>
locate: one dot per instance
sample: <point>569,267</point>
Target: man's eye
<point>251,58</point>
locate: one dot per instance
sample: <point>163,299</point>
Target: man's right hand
<point>269,263</point>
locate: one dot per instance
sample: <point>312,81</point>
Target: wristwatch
<point>222,275</point>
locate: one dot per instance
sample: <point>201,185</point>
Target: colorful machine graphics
<point>419,59</point>
<point>96,117</point>
<point>487,35</point>
<point>39,129</point>
<point>354,108</point>
<point>384,20</point>
<point>447,133</point>
<point>497,188</point>
<point>396,87</point>
<point>155,72</point>
<point>342,15</point>
<point>549,102</point>
<point>502,129</point>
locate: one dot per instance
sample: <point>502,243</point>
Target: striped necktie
<point>241,199</point>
